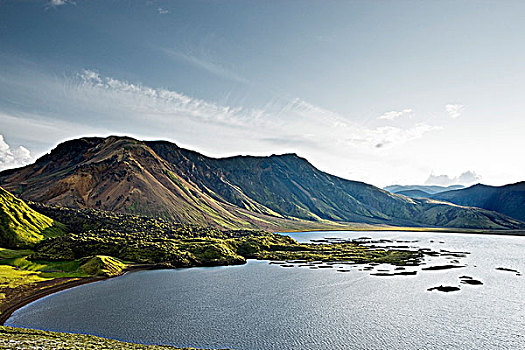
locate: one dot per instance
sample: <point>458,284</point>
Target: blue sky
<point>378,91</point>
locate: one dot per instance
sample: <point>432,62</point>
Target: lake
<point>259,306</point>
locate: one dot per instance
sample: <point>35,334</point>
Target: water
<point>261,306</point>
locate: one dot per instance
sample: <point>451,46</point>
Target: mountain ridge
<point>430,189</point>
<point>507,199</point>
<point>159,178</point>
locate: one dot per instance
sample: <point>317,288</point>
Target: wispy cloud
<point>92,103</point>
<point>13,157</point>
<point>467,178</point>
<point>162,102</point>
<point>276,120</point>
<point>205,63</point>
<point>454,110</point>
<point>395,114</point>
<point>162,11</point>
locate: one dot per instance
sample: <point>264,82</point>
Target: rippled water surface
<point>263,306</point>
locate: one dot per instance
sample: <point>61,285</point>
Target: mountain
<point>158,178</point>
<point>430,189</point>
<point>414,193</point>
<point>508,199</point>
<point>21,226</point>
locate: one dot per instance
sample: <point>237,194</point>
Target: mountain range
<point>158,178</point>
<point>508,199</point>
<point>421,189</point>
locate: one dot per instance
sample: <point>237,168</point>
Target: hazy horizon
<point>381,92</point>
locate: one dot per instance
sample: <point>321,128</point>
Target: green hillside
<point>102,265</point>
<point>21,226</point>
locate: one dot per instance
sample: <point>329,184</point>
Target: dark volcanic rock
<point>507,269</point>
<point>472,282</point>
<point>442,267</point>
<point>402,273</point>
<point>445,289</point>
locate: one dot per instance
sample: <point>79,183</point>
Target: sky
<point>384,92</point>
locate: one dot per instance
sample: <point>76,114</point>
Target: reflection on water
<point>265,306</point>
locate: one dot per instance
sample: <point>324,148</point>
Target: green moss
<point>101,265</point>
<point>21,338</point>
<point>6,253</point>
<point>21,226</point>
<point>11,277</point>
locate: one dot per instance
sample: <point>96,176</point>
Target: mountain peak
<point>286,155</point>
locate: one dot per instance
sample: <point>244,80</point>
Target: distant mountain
<point>21,226</point>
<point>158,178</point>
<point>430,189</point>
<point>508,199</point>
<point>415,193</point>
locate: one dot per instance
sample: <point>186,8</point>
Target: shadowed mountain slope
<point>508,199</point>
<point>159,178</point>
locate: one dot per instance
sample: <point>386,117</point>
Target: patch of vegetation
<point>83,220</point>
<point>348,252</point>
<point>148,240</point>
<point>21,226</point>
<point>6,253</point>
<point>11,277</point>
<point>101,265</point>
<point>47,269</point>
<point>21,338</point>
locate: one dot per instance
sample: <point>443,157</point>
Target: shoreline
<point>45,292</point>
<point>516,233</point>
<point>73,282</point>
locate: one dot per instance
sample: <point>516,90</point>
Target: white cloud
<point>395,114</point>
<point>90,103</point>
<point>273,122</point>
<point>55,3</point>
<point>12,158</point>
<point>454,110</point>
<point>467,178</point>
<point>162,11</point>
<point>161,103</point>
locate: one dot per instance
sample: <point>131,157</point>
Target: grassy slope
<point>102,265</point>
<point>21,226</point>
